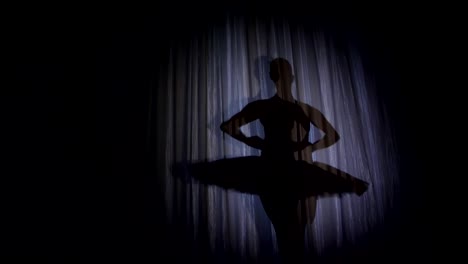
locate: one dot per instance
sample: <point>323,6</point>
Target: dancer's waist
<point>278,156</point>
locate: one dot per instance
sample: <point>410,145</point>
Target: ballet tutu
<point>261,176</point>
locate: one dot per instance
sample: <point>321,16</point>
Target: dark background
<point>79,163</point>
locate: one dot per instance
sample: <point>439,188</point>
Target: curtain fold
<point>213,76</point>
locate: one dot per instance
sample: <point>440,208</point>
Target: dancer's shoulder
<point>308,109</point>
<point>257,104</point>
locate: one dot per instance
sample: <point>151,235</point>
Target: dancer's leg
<point>289,226</point>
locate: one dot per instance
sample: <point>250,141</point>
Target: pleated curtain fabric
<point>214,75</point>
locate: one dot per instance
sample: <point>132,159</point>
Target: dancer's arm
<point>249,113</point>
<point>318,119</point>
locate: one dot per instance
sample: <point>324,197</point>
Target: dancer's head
<point>281,74</point>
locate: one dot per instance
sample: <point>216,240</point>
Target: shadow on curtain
<point>216,74</point>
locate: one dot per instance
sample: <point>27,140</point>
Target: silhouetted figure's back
<point>284,174</point>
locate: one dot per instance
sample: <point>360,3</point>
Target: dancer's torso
<point>281,128</point>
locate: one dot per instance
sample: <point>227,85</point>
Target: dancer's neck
<point>285,96</point>
<point>283,91</point>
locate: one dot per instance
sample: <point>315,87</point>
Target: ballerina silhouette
<point>284,175</point>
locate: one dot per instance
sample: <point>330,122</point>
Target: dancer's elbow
<point>332,138</point>
<point>336,136</point>
<point>224,127</point>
